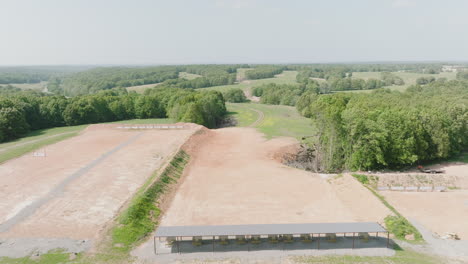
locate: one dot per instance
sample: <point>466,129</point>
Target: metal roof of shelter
<point>268,229</point>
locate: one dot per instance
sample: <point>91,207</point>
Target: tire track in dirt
<point>260,118</point>
<point>58,190</point>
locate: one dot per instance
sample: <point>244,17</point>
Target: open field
<point>287,77</point>
<point>241,73</point>
<point>41,86</point>
<point>278,120</point>
<point>188,76</point>
<point>142,88</point>
<point>232,178</point>
<point>83,182</point>
<point>408,77</point>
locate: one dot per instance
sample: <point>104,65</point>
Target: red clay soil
<point>119,162</point>
<point>233,178</point>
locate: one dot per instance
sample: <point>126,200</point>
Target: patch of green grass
<point>400,227</point>
<point>243,115</point>
<point>188,76</point>
<point>36,140</point>
<point>361,178</point>
<point>141,88</point>
<point>279,120</point>
<point>241,73</point>
<point>31,86</point>
<point>400,257</point>
<point>287,77</point>
<point>141,216</point>
<point>398,224</point>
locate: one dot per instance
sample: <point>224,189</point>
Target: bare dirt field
<point>439,212</point>
<point>233,178</point>
<point>82,182</point>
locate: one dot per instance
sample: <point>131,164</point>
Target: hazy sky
<point>231,31</point>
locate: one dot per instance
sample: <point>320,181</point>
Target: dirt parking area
<point>232,178</point>
<point>83,181</point>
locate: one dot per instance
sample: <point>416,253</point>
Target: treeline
<point>429,68</point>
<point>388,129</point>
<point>340,79</point>
<point>8,89</point>
<point>22,112</point>
<point>462,75</point>
<point>34,74</point>
<point>337,84</point>
<point>425,80</point>
<point>97,79</point>
<point>235,95</point>
<point>264,71</point>
<point>283,94</point>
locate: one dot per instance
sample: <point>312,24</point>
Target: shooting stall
<point>313,230</point>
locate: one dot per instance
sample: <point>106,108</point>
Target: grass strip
<point>397,224</point>
<point>140,218</point>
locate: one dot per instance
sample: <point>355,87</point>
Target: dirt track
<point>233,179</point>
<point>82,182</point>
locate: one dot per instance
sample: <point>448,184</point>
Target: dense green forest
<point>104,78</point>
<point>21,112</point>
<point>340,70</point>
<point>264,71</point>
<point>235,95</point>
<point>98,79</point>
<point>388,128</point>
<point>283,94</point>
<point>34,74</point>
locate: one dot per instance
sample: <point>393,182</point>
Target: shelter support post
<point>154,240</point>
<point>213,243</point>
<point>353,240</point>
<point>388,239</point>
<point>318,241</point>
<point>178,247</point>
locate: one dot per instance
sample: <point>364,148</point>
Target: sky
<point>117,32</point>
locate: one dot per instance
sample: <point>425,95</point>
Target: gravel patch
<point>22,247</point>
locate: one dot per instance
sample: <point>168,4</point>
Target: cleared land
<point>439,212</point>
<point>287,77</point>
<point>233,178</point>
<point>38,139</point>
<point>188,76</point>
<point>142,88</point>
<point>41,86</point>
<point>83,181</point>
<point>278,120</point>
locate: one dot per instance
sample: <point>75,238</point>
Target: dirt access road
<point>83,181</point>
<point>232,178</point>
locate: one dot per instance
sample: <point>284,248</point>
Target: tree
<point>235,95</point>
<point>12,123</point>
